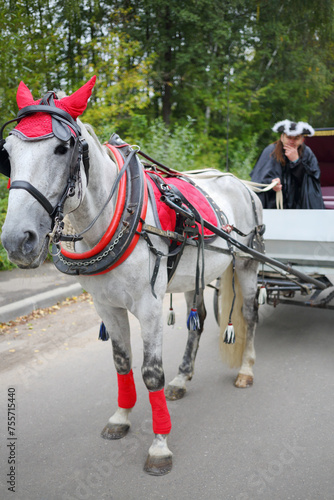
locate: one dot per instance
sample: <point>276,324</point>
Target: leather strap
<point>35,193</point>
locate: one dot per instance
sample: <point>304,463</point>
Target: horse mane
<point>91,132</point>
<point>102,148</point>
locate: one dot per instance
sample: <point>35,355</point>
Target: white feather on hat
<point>292,128</point>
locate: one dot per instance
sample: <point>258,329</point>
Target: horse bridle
<point>62,126</point>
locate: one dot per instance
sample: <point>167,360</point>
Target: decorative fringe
<point>229,336</point>
<point>262,297</point>
<point>171,318</point>
<point>193,320</point>
<point>103,335</point>
<point>171,315</point>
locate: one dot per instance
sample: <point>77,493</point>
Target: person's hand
<point>291,152</point>
<point>278,186</point>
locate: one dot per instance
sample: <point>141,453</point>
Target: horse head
<point>44,158</point>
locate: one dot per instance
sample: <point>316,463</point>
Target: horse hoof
<point>158,466</point>
<point>173,392</point>
<point>115,431</point>
<point>243,381</point>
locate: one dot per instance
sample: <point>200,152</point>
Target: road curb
<point>23,307</point>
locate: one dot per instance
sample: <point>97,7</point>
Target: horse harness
<point>124,229</point>
<point>129,223</point>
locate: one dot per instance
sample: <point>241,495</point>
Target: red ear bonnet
<point>39,125</point>
<point>76,103</point>
<point>24,97</point>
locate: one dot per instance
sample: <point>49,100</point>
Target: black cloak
<point>300,180</point>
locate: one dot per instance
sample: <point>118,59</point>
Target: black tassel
<point>103,335</point>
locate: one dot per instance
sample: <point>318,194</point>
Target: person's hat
<point>292,128</point>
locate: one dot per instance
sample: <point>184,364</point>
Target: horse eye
<point>61,150</point>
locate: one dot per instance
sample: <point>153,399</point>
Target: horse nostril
<point>29,242</point>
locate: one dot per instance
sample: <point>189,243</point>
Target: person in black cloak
<point>293,165</point>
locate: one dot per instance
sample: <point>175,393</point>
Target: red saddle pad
<point>167,215</point>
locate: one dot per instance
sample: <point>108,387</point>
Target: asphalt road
<point>274,441</point>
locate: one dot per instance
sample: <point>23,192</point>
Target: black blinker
<point>4,160</point>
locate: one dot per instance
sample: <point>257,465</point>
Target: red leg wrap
<point>127,396</point>
<point>160,415</point>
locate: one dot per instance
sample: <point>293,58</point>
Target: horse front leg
<point>159,460</point>
<point>119,331</point>
<point>177,387</point>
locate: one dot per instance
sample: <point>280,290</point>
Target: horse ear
<point>24,96</point>
<point>76,103</point>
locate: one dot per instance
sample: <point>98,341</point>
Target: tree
<point>291,56</point>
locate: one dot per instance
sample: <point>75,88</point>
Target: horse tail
<point>231,354</point>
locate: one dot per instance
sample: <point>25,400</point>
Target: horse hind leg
<point>245,316</point>
<point>176,389</point>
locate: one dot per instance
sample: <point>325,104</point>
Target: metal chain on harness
<point>78,263</point>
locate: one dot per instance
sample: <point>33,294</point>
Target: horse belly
<point>184,279</point>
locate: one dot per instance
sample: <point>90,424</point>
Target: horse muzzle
<point>24,248</point>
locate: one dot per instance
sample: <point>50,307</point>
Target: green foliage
<point>292,57</point>
<point>243,156</point>
<point>124,89</point>
<point>4,262</point>
<point>255,60</point>
<point>176,149</point>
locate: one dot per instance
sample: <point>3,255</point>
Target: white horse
<point>41,162</point>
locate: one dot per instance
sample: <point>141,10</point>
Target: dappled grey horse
<point>58,168</point>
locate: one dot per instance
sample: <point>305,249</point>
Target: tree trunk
<point>166,103</point>
<point>167,83</point>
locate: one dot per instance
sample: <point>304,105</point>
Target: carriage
<point>304,240</point>
<point>124,257</point>
<point>297,267</point>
